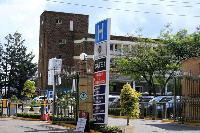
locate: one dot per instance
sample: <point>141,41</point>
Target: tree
<point>1,69</point>
<point>155,61</point>
<point>17,63</point>
<point>146,60</point>
<point>29,88</point>
<point>129,100</point>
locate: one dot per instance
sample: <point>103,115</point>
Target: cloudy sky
<point>126,16</point>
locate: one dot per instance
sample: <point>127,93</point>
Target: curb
<point>27,119</point>
<point>72,126</point>
<point>5,117</point>
<point>121,117</point>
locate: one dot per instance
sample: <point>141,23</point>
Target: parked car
<point>158,101</point>
<point>144,99</point>
<point>111,98</point>
<point>116,103</point>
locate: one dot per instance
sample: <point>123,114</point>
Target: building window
<point>40,44</point>
<point>40,59</point>
<point>111,47</point>
<point>58,21</point>
<point>62,41</point>
<point>61,57</point>
<point>117,47</point>
<point>71,26</point>
<point>40,75</point>
<point>125,48</point>
<point>42,22</point>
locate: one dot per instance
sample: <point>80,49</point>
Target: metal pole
<point>54,97</point>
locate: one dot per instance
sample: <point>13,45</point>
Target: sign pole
<point>54,97</point>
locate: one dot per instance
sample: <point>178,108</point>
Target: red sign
<point>83,114</point>
<point>100,78</point>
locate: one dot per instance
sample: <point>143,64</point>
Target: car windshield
<point>111,99</point>
<point>116,100</point>
<point>157,99</point>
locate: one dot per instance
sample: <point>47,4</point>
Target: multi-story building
<point>65,36</point>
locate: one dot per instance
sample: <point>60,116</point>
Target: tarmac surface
<point>10,125</point>
<point>153,126</point>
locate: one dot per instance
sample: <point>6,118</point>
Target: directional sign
<point>83,96</point>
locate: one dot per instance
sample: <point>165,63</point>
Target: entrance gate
<point>187,95</point>
<point>66,104</point>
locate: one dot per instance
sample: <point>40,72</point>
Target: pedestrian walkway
<point>152,126</point>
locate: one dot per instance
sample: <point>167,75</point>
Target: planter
<point>26,109</point>
<point>36,109</point>
<point>128,129</point>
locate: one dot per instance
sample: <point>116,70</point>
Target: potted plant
<point>129,100</point>
<point>26,109</point>
<point>36,106</point>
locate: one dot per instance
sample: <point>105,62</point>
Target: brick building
<point>65,36</point>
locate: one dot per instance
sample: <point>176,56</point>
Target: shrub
<point>129,100</point>
<point>29,115</point>
<point>104,129</point>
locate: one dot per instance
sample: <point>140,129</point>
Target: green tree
<point>156,61</point>
<point>17,63</point>
<point>29,88</point>
<point>129,100</point>
<point>147,60</point>
<point>1,69</point>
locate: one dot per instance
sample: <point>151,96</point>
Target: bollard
<point>142,110</point>
<point>8,109</point>
<point>154,112</point>
<point>42,109</point>
<point>22,106</point>
<point>164,110</point>
<point>16,107</point>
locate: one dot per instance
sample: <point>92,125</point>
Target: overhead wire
<point>126,10</point>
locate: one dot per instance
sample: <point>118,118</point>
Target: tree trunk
<point>127,120</point>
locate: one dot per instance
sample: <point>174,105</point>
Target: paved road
<point>152,126</point>
<point>9,125</point>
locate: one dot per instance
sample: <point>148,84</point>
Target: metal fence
<point>154,110</point>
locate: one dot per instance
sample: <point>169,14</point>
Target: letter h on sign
<point>101,31</point>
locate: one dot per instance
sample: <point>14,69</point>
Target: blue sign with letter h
<point>101,31</point>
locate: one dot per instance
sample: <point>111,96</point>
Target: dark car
<point>159,102</point>
<point>116,103</point>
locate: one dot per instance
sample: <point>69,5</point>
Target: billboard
<point>101,71</point>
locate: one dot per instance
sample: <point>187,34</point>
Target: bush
<point>29,115</point>
<point>104,129</point>
<point>115,111</point>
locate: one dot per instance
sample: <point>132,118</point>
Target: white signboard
<point>101,49</point>
<point>55,64</point>
<point>51,78</point>
<point>81,124</point>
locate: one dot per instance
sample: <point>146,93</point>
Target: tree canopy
<point>16,64</point>
<point>155,61</point>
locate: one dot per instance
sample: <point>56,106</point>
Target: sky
<point>127,16</point>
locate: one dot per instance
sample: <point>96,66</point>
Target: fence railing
<point>154,110</point>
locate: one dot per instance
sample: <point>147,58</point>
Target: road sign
<point>49,93</point>
<point>83,96</point>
